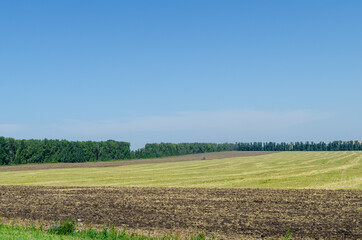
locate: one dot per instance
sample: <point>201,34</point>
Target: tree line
<point>173,149</point>
<point>13,152</point>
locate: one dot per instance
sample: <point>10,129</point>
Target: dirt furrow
<point>227,213</point>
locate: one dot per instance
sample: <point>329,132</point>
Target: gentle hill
<point>317,170</point>
<point>189,157</point>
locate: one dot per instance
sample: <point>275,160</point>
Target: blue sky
<point>181,71</point>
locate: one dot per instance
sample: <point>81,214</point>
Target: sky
<point>181,71</point>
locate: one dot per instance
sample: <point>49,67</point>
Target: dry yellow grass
<point>316,170</point>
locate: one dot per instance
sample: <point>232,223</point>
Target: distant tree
<point>4,151</point>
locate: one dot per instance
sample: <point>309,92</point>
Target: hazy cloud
<point>6,129</point>
<point>192,126</point>
<point>223,120</point>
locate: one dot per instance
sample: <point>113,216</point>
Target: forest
<point>14,152</point>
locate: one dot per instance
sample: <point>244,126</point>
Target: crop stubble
<point>190,157</point>
<point>228,213</point>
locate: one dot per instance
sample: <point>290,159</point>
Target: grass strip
<point>66,230</point>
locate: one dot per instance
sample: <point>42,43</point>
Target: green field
<point>317,170</point>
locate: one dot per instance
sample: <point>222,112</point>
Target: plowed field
<point>227,213</point>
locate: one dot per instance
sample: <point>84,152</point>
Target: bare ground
<point>191,157</point>
<point>227,213</point>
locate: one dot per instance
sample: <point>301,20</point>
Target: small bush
<point>65,227</point>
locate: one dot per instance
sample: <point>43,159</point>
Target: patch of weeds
<point>32,227</point>
<point>105,232</point>
<point>123,233</point>
<point>91,233</point>
<point>266,181</point>
<point>113,233</point>
<point>200,236</point>
<point>65,227</point>
<point>41,229</point>
<point>287,236</point>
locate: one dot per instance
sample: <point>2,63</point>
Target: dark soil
<point>227,213</point>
